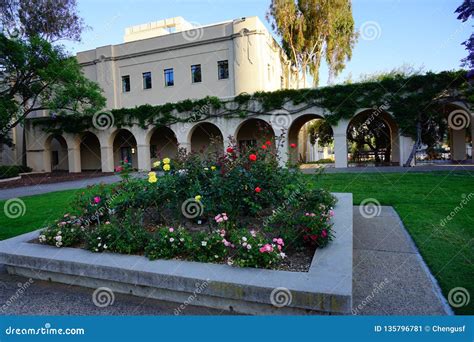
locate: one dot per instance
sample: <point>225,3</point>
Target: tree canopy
<point>313,30</point>
<point>465,12</point>
<point>35,73</point>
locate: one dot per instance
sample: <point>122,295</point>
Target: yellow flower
<point>166,161</point>
<point>213,168</point>
<point>156,164</point>
<point>152,177</point>
<point>198,198</point>
<point>166,167</point>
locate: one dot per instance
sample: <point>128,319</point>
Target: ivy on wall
<point>411,99</point>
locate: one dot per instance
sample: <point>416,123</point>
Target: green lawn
<point>40,210</point>
<point>421,199</point>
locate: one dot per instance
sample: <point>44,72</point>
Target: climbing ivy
<point>411,99</point>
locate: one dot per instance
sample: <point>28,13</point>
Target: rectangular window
<point>196,73</point>
<point>223,70</point>
<point>125,84</point>
<point>169,78</point>
<point>147,80</point>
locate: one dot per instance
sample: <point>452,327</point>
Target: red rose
<point>264,147</point>
<point>253,157</point>
<point>230,150</point>
<point>268,142</point>
<point>293,145</point>
<point>258,189</point>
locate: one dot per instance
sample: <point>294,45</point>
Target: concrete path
<point>389,275</point>
<point>312,168</point>
<point>390,278</point>
<point>44,188</point>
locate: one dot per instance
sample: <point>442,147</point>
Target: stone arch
<point>56,156</point>
<point>205,138</point>
<point>163,143</point>
<point>253,131</point>
<point>299,147</point>
<point>90,152</point>
<point>459,123</point>
<point>124,146</point>
<point>386,127</point>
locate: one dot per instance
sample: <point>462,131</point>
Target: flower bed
<point>239,208</point>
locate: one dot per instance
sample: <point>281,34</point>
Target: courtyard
<point>423,201</point>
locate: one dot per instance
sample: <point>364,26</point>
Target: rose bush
<point>200,207</point>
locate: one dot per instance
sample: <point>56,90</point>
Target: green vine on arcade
<point>411,100</point>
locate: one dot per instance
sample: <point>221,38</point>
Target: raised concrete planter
<point>325,289</point>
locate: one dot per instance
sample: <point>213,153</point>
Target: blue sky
<point>422,33</point>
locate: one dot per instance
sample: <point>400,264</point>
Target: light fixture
<point>133,150</point>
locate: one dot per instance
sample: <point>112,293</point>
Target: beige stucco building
<point>169,61</point>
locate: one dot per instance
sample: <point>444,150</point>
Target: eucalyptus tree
<point>314,30</point>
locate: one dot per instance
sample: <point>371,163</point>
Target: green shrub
<point>252,249</point>
<point>168,243</point>
<point>209,247</point>
<point>66,232</point>
<point>10,171</point>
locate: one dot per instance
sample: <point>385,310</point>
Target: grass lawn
<point>40,210</point>
<point>421,199</point>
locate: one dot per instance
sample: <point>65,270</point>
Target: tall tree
<point>36,75</point>
<point>51,20</point>
<point>312,30</point>
<point>466,11</point>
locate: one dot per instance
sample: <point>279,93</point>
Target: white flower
<point>244,244</point>
<point>204,243</point>
<point>230,262</point>
<point>105,246</point>
<point>171,239</point>
<point>249,246</point>
<point>182,239</point>
<point>59,233</point>
<point>58,238</point>
<point>96,250</point>
<point>99,244</point>
<point>244,238</point>
<point>216,256</point>
<point>282,255</point>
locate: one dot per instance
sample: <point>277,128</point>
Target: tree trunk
<point>416,145</point>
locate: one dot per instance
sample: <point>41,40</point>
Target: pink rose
<point>96,199</point>
<point>171,230</point>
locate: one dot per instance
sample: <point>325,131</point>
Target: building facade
<point>170,61</point>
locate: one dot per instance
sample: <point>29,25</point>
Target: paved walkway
<point>390,278</point>
<point>311,168</point>
<point>389,275</point>
<point>307,168</point>
<point>50,187</point>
